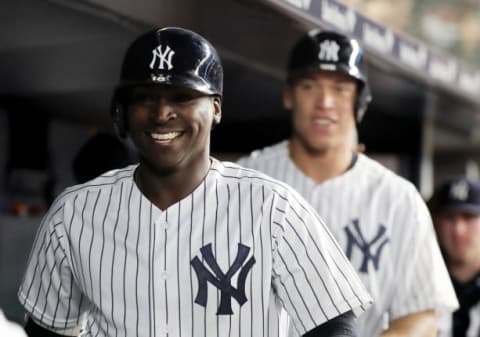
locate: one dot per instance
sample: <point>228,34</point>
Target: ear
<point>288,97</point>
<point>119,120</point>
<point>217,110</point>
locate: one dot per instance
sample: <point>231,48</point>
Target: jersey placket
<point>161,276</point>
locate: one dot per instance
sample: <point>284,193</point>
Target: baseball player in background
<point>183,244</point>
<point>378,218</point>
<point>455,208</point>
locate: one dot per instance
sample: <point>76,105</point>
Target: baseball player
<point>378,218</point>
<point>183,244</point>
<point>455,209</point>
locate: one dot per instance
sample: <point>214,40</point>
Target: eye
<point>470,218</point>
<point>306,85</point>
<point>183,98</point>
<point>340,88</point>
<point>143,98</point>
<point>344,88</point>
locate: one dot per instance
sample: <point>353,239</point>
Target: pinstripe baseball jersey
<point>222,261</point>
<point>473,330</point>
<point>384,228</point>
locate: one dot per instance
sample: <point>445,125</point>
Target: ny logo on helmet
<point>328,51</point>
<point>459,191</point>
<point>163,57</point>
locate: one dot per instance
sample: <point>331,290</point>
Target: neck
<point>320,165</point>
<point>463,272</point>
<point>166,187</point>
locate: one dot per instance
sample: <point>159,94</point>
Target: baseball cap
<point>458,194</point>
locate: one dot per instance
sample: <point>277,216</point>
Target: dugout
<point>59,60</point>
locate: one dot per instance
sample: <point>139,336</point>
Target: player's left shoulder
<point>381,174</point>
<point>242,174</point>
<point>265,155</point>
<point>229,171</point>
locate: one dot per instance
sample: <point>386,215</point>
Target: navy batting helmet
<point>168,56</point>
<point>331,51</point>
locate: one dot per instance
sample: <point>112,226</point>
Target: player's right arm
<point>49,292</point>
<point>426,289</point>
<point>414,325</point>
<point>340,326</point>
<point>312,276</point>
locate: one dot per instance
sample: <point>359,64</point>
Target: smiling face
<point>170,127</point>
<point>322,105</point>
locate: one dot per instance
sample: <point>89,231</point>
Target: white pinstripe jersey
<point>446,321</point>
<point>384,228</point>
<point>220,262</point>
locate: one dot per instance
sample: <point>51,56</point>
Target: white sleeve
<point>427,284</point>
<point>10,329</point>
<point>314,280</point>
<point>49,291</point>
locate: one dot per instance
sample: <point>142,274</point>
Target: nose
<point>324,98</point>
<point>460,227</point>
<point>163,111</point>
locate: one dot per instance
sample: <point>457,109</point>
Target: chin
<point>163,167</point>
<point>317,147</point>
<point>458,258</point>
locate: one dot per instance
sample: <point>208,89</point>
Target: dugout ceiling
<point>62,58</point>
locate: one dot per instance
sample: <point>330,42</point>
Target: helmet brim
<point>351,71</point>
<point>190,82</point>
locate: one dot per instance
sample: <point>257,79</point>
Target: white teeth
<point>322,121</point>
<point>165,136</point>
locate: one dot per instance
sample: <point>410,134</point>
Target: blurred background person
<point>101,153</point>
<point>455,209</point>
<point>378,218</point>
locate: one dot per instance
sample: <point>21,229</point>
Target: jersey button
<point>164,275</point>
<point>161,224</point>
<point>165,329</point>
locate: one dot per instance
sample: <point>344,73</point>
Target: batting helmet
<point>331,51</point>
<point>167,56</point>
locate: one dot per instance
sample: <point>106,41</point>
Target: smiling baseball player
<point>379,218</point>
<point>183,244</point>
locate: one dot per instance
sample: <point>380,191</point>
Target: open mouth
<point>323,121</point>
<point>165,137</point>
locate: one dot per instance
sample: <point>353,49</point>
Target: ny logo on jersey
<point>328,51</point>
<point>356,238</point>
<point>221,280</point>
<point>459,191</point>
<point>163,57</point>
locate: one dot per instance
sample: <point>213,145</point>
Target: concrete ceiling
<point>62,58</point>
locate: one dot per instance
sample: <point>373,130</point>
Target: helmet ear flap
<point>118,116</point>
<point>364,97</point>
